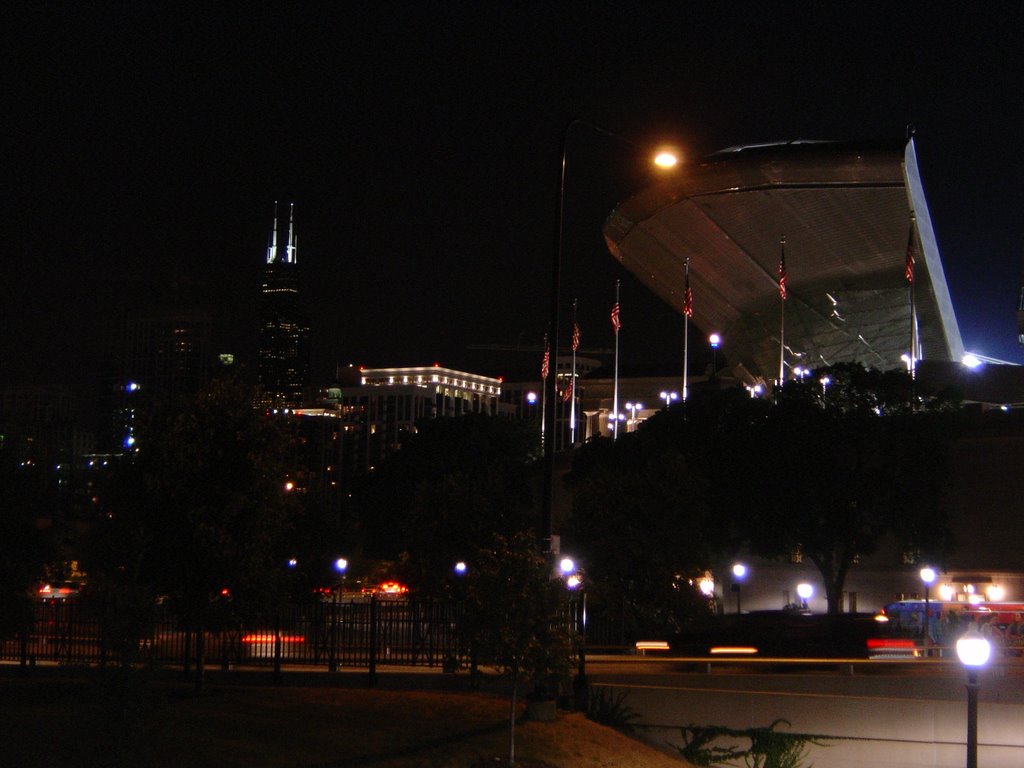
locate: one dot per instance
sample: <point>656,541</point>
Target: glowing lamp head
<point>460,568</point>
<point>567,565</point>
<point>531,398</point>
<point>666,158</point>
<point>805,591</point>
<point>739,570</point>
<point>927,575</point>
<point>341,565</point>
<point>973,649</point>
<point>574,581</point>
<point>714,340</point>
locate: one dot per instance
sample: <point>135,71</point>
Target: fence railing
<point>363,631</point>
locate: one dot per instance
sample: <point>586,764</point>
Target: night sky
<point>146,144</point>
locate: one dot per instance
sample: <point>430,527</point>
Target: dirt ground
<point>60,720</point>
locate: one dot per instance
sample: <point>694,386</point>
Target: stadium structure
<point>847,224</point>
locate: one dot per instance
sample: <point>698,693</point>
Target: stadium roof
<point>846,213</point>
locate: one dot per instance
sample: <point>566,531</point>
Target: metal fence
<point>361,632</point>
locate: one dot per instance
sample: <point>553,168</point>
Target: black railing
<point>353,631</point>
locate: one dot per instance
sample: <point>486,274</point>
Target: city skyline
<point>421,146</point>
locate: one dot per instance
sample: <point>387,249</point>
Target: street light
<point>973,650</point>
<point>927,576</point>
<point>664,160</point>
<point>575,582</point>
<point>633,408</point>
<point>668,397</point>
<point>739,571</point>
<point>340,566</point>
<point>804,591</point>
<point>715,341</point>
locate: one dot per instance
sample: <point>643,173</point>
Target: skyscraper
<point>284,332</point>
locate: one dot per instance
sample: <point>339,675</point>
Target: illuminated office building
<point>284,333</point>
<point>368,417</point>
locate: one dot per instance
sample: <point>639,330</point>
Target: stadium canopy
<point>847,212</point>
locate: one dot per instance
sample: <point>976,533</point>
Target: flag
<point>545,363</point>
<point>908,270</point>
<point>616,322</point>
<point>688,298</point>
<point>567,394</point>
<point>783,279</point>
<point>575,337</point>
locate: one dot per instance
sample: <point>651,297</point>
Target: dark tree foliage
<point>516,616</point>
<point>454,484</point>
<point>828,470</point>
<point>846,465</point>
<point>649,508</point>
<point>201,516</point>
<point>27,494</point>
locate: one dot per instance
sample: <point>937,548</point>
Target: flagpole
<point>783,279</point>
<point>913,304</point>
<point>545,363</point>
<point>572,381</point>
<point>615,396</point>
<point>687,309</point>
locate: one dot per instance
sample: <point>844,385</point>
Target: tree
<point>202,515</point>
<point>653,508</point>
<point>26,552</point>
<point>452,486</point>
<point>842,466</point>
<point>517,617</point>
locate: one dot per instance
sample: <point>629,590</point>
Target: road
<point>881,715</point>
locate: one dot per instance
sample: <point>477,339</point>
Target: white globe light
<point>804,591</point>
<point>567,565</point>
<point>739,570</point>
<point>972,648</point>
<point>927,575</point>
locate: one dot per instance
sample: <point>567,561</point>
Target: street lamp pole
<point>974,651</point>
<point>738,571</point>
<point>665,160</point>
<point>927,576</point>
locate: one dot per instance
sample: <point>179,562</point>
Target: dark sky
<point>146,144</point>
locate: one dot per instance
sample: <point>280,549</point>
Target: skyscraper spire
<point>272,248</point>
<point>292,255</point>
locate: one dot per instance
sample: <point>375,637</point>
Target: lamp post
<point>666,160</point>
<point>633,408</point>
<point>715,341</point>
<point>739,571</point>
<point>804,591</point>
<point>575,582</point>
<point>668,397</point>
<point>973,650</point>
<point>340,566</point>
<point>927,576</point>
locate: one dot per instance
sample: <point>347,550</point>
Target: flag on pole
<point>545,363</point>
<point>567,394</point>
<point>575,336</point>
<point>616,322</point>
<point>908,270</point>
<point>688,297</point>
<point>783,278</point>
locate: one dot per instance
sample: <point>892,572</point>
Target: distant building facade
<point>167,350</point>
<point>357,424</point>
<point>283,358</point>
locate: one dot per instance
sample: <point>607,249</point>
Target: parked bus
<point>1001,623</point>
